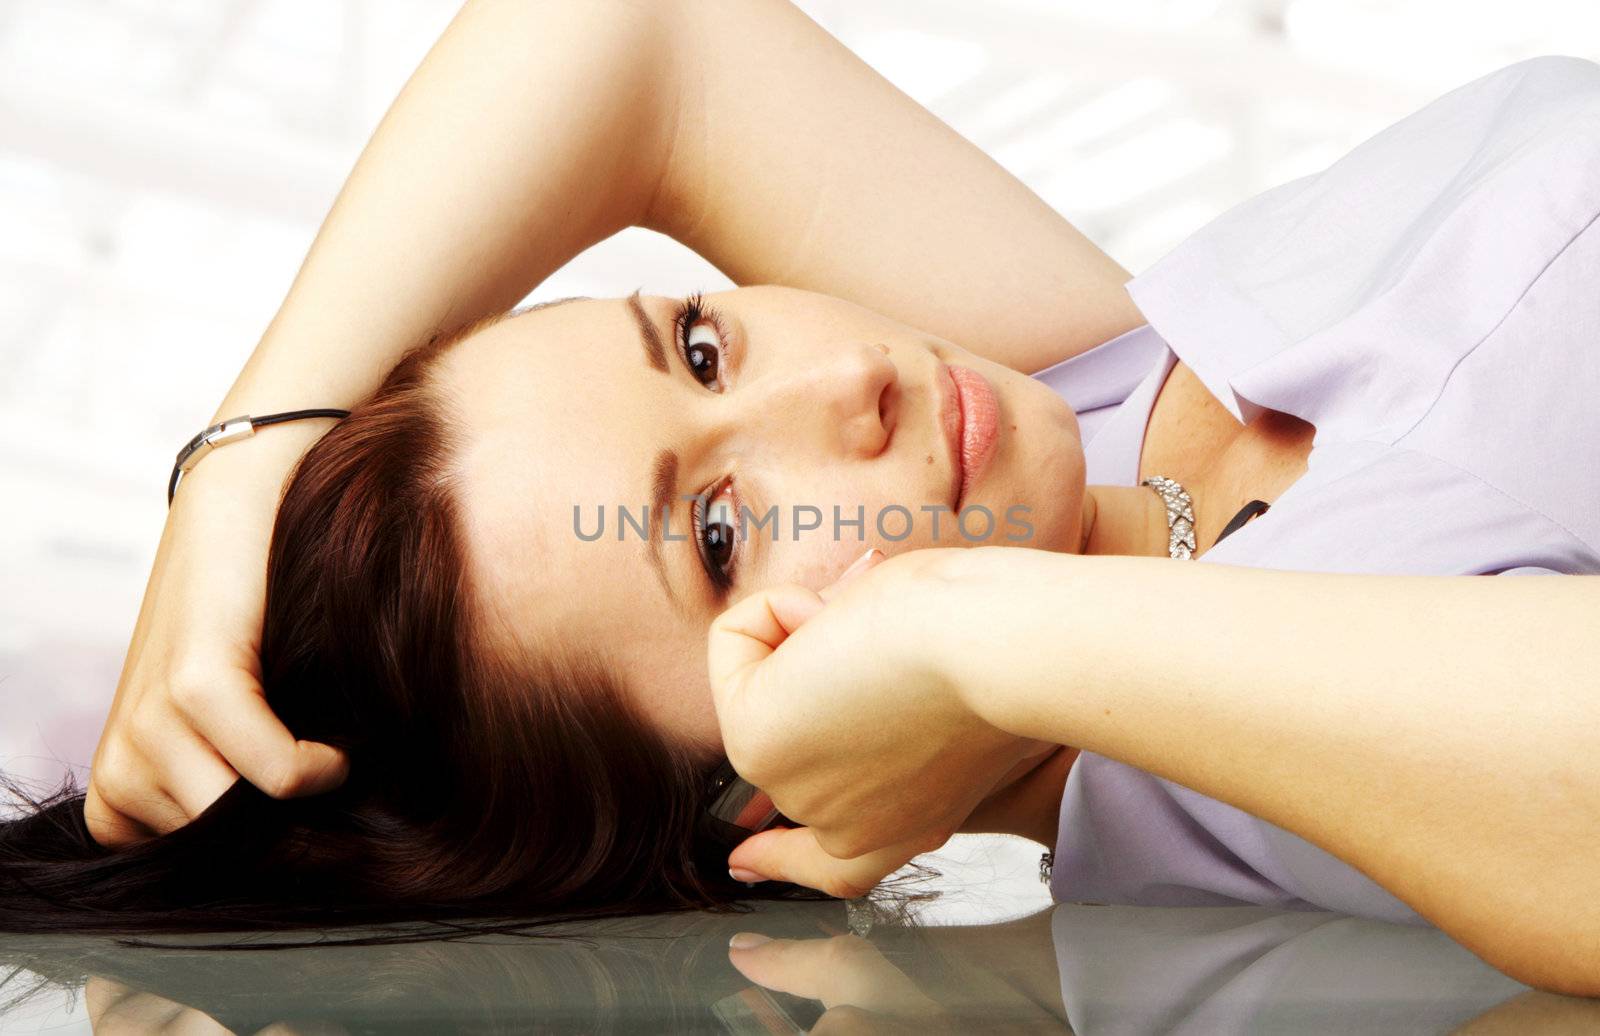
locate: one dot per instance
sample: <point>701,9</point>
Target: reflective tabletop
<point>1071,968</point>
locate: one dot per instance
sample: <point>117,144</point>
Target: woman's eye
<point>715,526</point>
<point>702,341</point>
<point>703,350</point>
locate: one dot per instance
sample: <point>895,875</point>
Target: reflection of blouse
<point>1431,304</point>
<point>1129,969</point>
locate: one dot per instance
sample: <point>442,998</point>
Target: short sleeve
<point>1127,836</point>
<point>1250,969</point>
<point>1347,298</point>
<point>1518,409</point>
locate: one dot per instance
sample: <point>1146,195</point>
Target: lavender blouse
<point>1431,304</point>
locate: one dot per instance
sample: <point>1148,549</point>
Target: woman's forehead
<point>558,413</point>
<point>582,350</point>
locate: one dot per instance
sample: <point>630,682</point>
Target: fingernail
<point>747,941</point>
<point>861,564</point>
<point>749,877</point>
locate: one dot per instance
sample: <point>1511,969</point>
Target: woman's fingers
<point>743,636</point>
<point>844,969</point>
<point>231,714</point>
<point>792,854</point>
<point>195,777</point>
<point>158,770</point>
<point>110,826</point>
<point>117,1009</point>
<point>135,795</point>
<point>858,566</point>
<point>843,972</point>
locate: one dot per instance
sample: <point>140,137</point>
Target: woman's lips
<point>971,419</point>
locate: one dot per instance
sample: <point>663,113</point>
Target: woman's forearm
<point>1438,733</point>
<point>533,130</point>
<point>529,132</point>
<point>796,163</point>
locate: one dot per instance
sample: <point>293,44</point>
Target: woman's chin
<point>1049,509</point>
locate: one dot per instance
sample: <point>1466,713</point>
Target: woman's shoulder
<point>1376,508</point>
<point>1433,289</point>
<point>1347,297</point>
<point>1518,408</point>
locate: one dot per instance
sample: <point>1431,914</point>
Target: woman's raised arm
<point>741,128</point>
<point>529,132</point>
<point>795,163</point>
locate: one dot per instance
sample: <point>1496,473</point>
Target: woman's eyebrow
<point>663,489</point>
<point>664,472</point>
<point>655,353</point>
<point>546,304</point>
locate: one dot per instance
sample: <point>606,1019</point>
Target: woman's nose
<point>849,395</point>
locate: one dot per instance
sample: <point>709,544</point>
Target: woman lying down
<point>939,522</point>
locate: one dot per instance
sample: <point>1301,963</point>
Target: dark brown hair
<point>483,783</point>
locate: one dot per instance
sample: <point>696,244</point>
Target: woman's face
<point>783,409</point>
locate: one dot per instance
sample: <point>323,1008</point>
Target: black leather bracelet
<point>232,430</point>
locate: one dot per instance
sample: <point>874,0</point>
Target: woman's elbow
<point>1553,955</point>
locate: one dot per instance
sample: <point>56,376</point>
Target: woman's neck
<point>1027,802</point>
<point>1188,438</point>
<point>1127,520</point>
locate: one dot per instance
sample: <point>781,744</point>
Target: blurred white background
<point>165,163</point>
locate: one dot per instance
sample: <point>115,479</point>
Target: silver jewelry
<point>1046,861</point>
<point>858,917</point>
<point>232,430</point>
<point>1180,516</point>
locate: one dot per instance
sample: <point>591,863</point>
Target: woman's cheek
<point>821,561</point>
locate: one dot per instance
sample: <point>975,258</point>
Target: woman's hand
<point>189,717</point>
<point>860,989</point>
<point>997,978</point>
<point>836,704</point>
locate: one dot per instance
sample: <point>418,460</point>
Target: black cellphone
<point>736,809</point>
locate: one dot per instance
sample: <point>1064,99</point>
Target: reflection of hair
<point>618,975</point>
<point>481,784</point>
